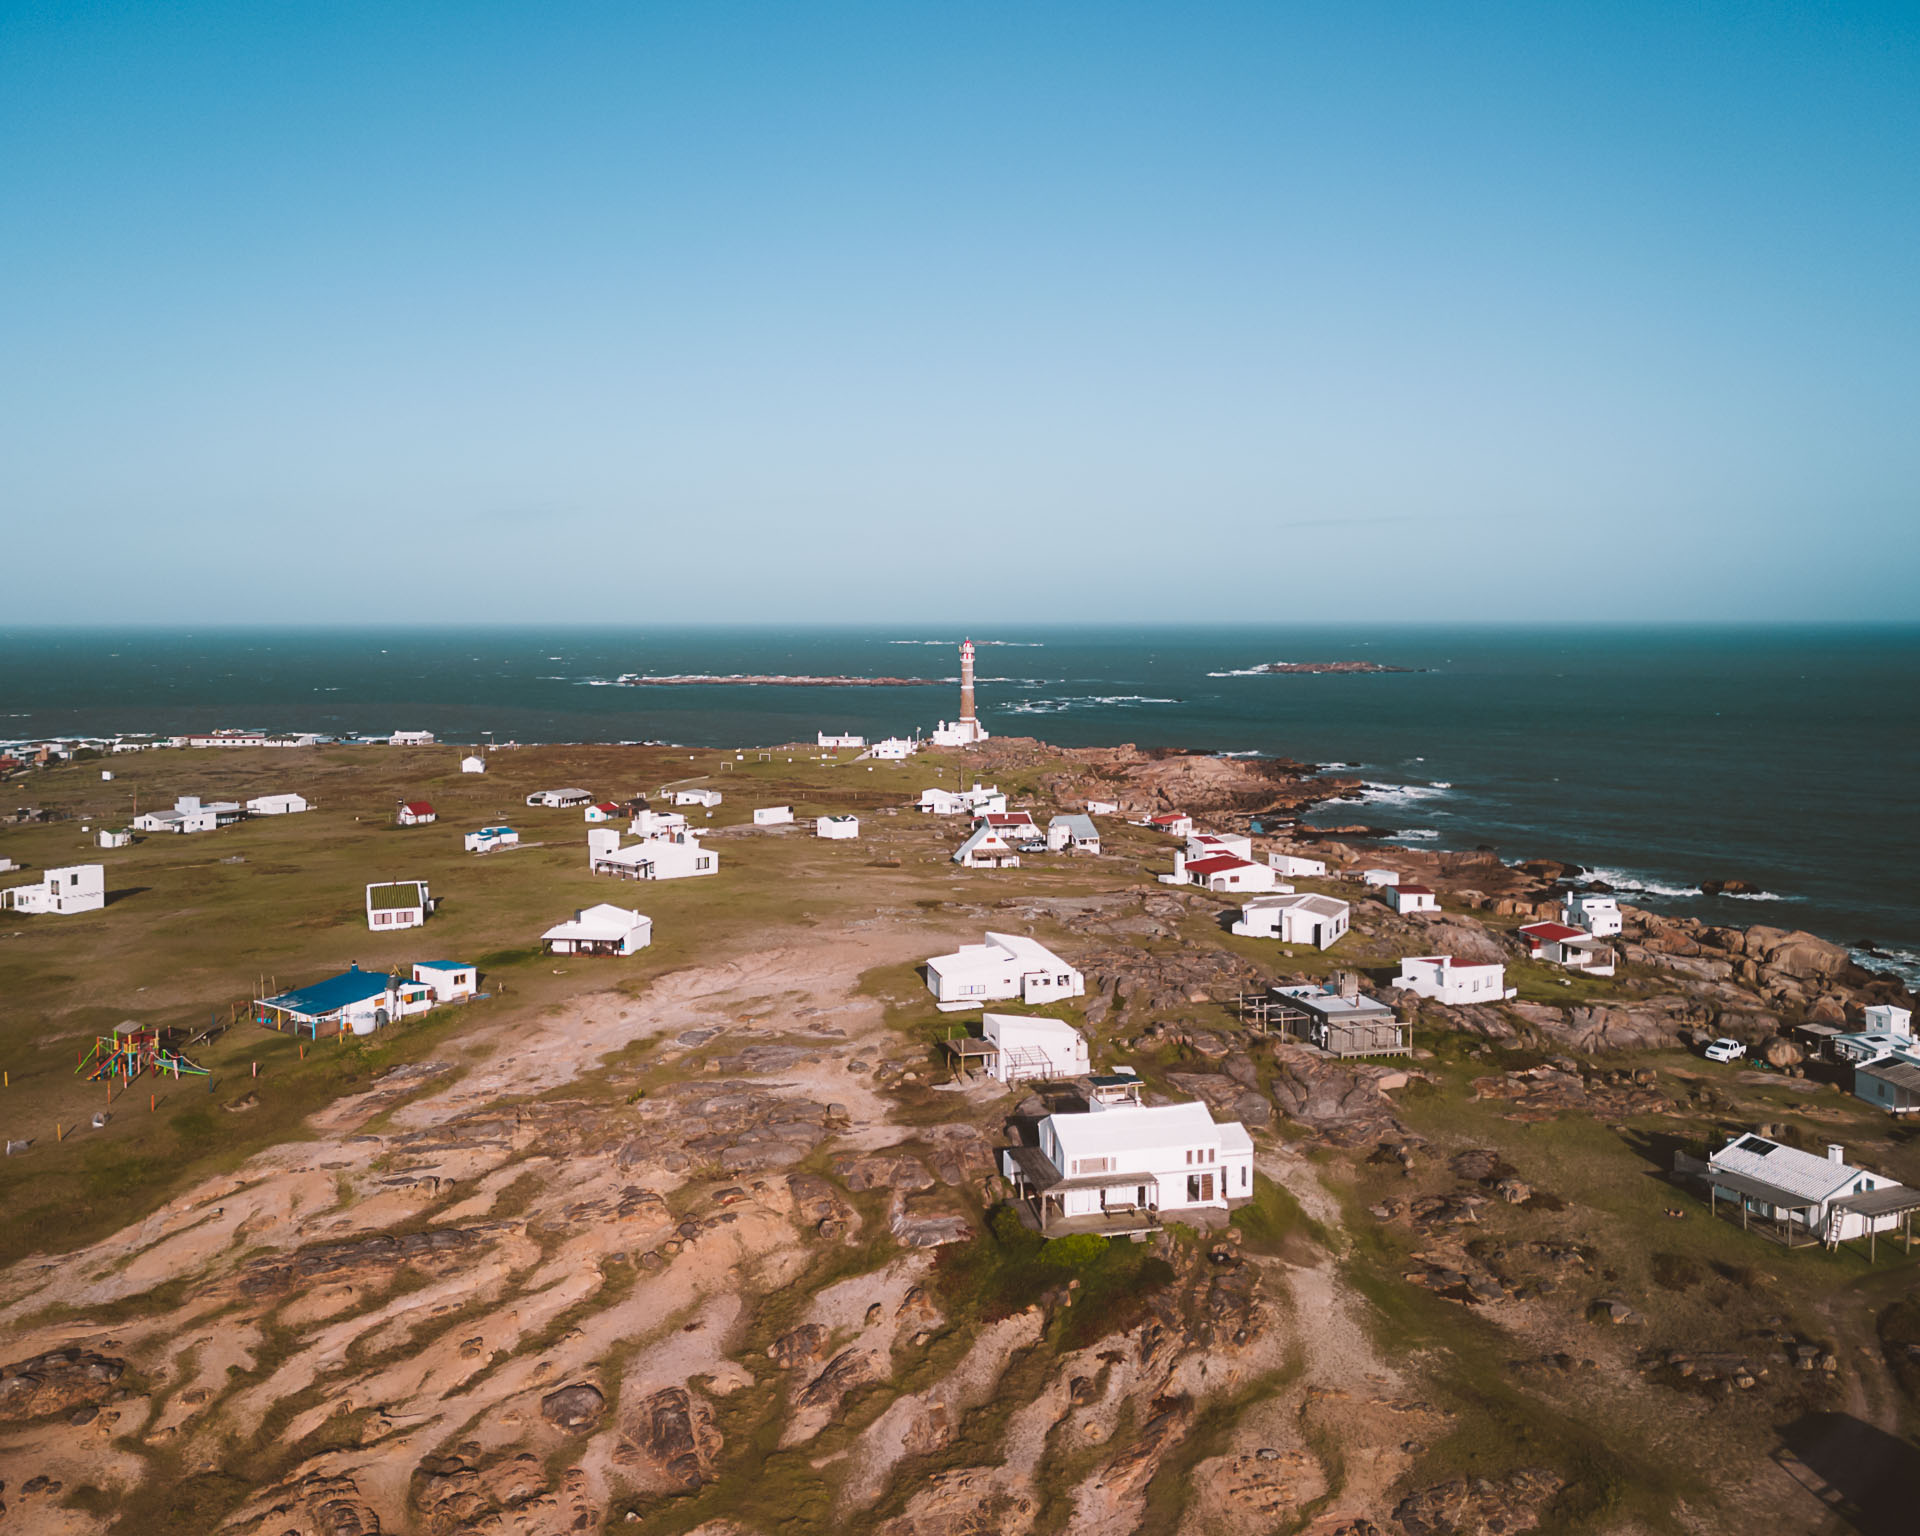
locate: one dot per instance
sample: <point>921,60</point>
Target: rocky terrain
<point>729,1254</point>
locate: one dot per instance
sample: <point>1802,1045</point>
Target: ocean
<point>1659,758</point>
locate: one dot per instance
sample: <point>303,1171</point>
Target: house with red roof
<point>415,813</point>
<point>1223,872</point>
<point>1173,823</point>
<point>605,810</point>
<point>1574,948</point>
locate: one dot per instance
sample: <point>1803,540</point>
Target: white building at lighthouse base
<point>961,733</point>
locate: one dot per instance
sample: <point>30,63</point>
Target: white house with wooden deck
<point>1804,1195</point>
<point>1007,966</point>
<point>1124,1166</point>
<point>1016,1048</point>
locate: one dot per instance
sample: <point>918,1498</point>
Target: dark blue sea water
<point>1788,757</point>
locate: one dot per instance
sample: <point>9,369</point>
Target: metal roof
<point>351,986</point>
<point>1806,1177</point>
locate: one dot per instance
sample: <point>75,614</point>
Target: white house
<point>600,930</point>
<point>603,810</point>
<point>415,813</point>
<point>840,828</point>
<point>1008,965</point>
<point>957,733</point>
<point>708,798</point>
<point>225,739</point>
<point>113,837</point>
<point>1103,807</point>
<point>1884,1018</point>
<point>489,838</point>
<point>1033,1048</point>
<point>1890,1082</point>
<point>473,765</point>
<point>1380,877</point>
<point>837,742</point>
<point>657,824</point>
<point>1073,831</point>
<point>397,904</point>
<point>1865,1046</point>
<point>1406,899</point>
<point>61,892</point>
<point>1805,1194</point>
<point>411,739</point>
<point>677,857</point>
<point>1207,845</point>
<point>986,849</point>
<point>1451,981</point>
<point>1595,911</point>
<point>773,815</point>
<point>1290,865</point>
<point>956,802</point>
<point>356,1000</point>
<point>190,814</point>
<point>1173,823</point>
<point>278,805</point>
<point>894,749</point>
<point>450,980</point>
<point>1015,826</point>
<point>1121,1166</point>
<point>560,799</point>
<point>1575,948</point>
<point>1220,872</point>
<point>1316,920</point>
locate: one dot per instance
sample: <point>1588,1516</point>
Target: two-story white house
<point>1598,912</point>
<point>60,892</point>
<point>1006,966</point>
<point>1453,982</point>
<point>1122,1166</point>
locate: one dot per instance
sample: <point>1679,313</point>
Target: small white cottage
<point>986,849</point>
<point>1407,899</point>
<point>840,828</point>
<point>1305,919</point>
<point>278,805</point>
<point>773,815</point>
<point>1453,982</point>
<point>397,904</point>
<point>1290,865</point>
<point>473,765</point>
<point>1007,966</point>
<point>1032,1048</point>
<point>600,930</point>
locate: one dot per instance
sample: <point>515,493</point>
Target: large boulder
<point>1343,1100</point>
<point>676,1431</point>
<point>573,1408</point>
<point>1797,954</point>
<point>58,1382</point>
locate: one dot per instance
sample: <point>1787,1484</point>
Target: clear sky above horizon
<point>755,311</point>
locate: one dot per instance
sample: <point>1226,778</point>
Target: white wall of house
<point>61,892</point>
<point>1032,1048</point>
<point>448,980</point>
<point>839,742</point>
<point>1320,921</point>
<point>1411,898</point>
<point>1006,966</point>
<point>1381,877</point>
<point>840,828</point>
<point>1445,980</point>
<point>1595,911</point>
<point>1185,1159</point>
<point>473,765</point>
<point>1290,865</point>
<point>278,805</point>
<point>772,815</point>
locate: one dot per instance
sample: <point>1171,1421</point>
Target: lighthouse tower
<point>966,686</point>
<point>965,731</point>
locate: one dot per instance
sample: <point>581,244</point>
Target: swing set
<point>122,1058</point>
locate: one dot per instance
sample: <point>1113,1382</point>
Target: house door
<point>1199,1188</point>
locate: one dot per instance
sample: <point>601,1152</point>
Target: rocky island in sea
<point>721,1234</point>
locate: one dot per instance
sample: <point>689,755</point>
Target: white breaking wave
<point>1904,963</point>
<point>1415,835</point>
<point>1756,896</point>
<point>1620,880</point>
<point>1259,671</point>
<point>1398,794</point>
<point>1061,706</point>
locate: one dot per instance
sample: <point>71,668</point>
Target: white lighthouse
<point>965,731</point>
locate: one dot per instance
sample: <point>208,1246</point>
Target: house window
<point>1093,1165</point>
<point>1246,1177</point>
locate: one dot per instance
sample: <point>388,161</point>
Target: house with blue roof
<point>355,1000</point>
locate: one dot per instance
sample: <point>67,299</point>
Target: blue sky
<point>658,312</point>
